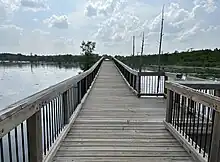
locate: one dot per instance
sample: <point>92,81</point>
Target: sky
<point>59,26</point>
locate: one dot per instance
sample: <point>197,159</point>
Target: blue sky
<point>54,26</point>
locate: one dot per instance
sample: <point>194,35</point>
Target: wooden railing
<point>31,128</point>
<point>143,83</point>
<point>193,117</point>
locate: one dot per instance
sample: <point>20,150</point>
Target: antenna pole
<point>161,38</point>
<point>160,47</point>
<point>142,51</point>
<point>133,46</point>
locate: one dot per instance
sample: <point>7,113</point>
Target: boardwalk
<point>114,125</point>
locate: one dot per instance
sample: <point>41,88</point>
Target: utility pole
<point>160,47</point>
<point>133,46</point>
<point>161,38</point>
<point>142,51</point>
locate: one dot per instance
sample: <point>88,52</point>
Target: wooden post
<point>79,92</point>
<point>34,137</point>
<point>135,82</point>
<point>75,89</point>
<point>65,108</point>
<point>165,89</point>
<point>130,79</point>
<point>215,145</point>
<point>169,106</point>
<point>139,85</point>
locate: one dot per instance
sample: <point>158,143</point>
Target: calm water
<point>18,82</point>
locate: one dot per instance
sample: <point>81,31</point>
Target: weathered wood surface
<point>115,125</point>
<point>132,71</point>
<point>207,84</point>
<point>195,95</point>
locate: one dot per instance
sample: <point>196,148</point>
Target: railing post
<point>75,95</point>
<point>130,82</point>
<point>34,137</point>
<point>139,85</point>
<point>169,106</point>
<point>165,89</point>
<point>79,91</point>
<point>215,145</point>
<point>65,108</point>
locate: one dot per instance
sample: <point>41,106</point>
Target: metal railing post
<point>165,89</point>
<point>215,144</point>
<point>169,106</point>
<point>34,137</point>
<point>65,108</point>
<point>139,85</point>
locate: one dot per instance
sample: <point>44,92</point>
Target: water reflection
<point>19,80</point>
<point>39,64</point>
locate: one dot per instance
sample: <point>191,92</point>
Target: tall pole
<point>133,46</point>
<point>140,66</point>
<point>142,51</point>
<point>160,47</point>
<point>161,38</point>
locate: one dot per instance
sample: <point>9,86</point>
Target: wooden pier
<point>115,125</point>
<point>101,116</point>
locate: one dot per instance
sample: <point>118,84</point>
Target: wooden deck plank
<point>114,125</point>
<point>123,159</point>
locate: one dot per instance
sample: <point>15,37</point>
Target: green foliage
<point>88,57</point>
<point>64,60</point>
<point>203,63</point>
<point>85,61</point>
<point>88,47</point>
<point>200,58</point>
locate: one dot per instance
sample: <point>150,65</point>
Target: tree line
<point>67,58</point>
<point>196,58</point>
<point>85,60</point>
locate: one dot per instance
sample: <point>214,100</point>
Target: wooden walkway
<point>114,125</point>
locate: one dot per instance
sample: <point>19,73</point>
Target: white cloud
<point>34,5</point>
<point>40,32</point>
<point>104,7</point>
<point>208,5</point>
<point>11,35</point>
<point>3,13</point>
<point>11,5</point>
<point>35,19</point>
<point>183,35</point>
<point>111,23</point>
<point>90,10</point>
<point>122,20</point>
<point>43,42</point>
<point>60,22</point>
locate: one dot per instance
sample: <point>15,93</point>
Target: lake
<point>18,81</point>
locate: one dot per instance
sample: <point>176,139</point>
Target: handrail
<point>44,94</point>
<point>189,77</point>
<point>143,83</point>
<point>134,72</point>
<point>206,84</point>
<point>193,116</point>
<point>205,99</point>
<point>46,113</point>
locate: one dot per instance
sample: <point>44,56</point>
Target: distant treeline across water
<point>201,63</point>
<point>197,58</point>
<point>66,61</point>
<point>67,58</point>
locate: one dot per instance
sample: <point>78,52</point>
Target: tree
<point>87,49</point>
